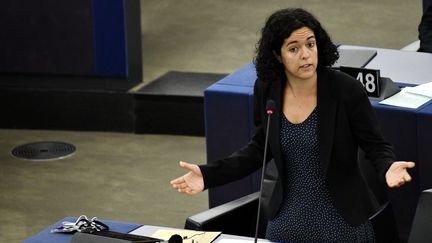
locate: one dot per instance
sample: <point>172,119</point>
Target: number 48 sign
<point>368,77</point>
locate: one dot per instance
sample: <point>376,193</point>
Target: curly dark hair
<point>278,27</point>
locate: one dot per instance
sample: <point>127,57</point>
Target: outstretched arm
<point>190,183</point>
<point>397,175</point>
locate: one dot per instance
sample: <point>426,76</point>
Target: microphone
<point>270,107</point>
<point>175,239</point>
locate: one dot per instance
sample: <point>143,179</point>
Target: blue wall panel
<point>110,50</point>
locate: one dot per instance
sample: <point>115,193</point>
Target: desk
<point>229,116</point>
<point>46,237</point>
<point>229,126</point>
<point>401,66</point>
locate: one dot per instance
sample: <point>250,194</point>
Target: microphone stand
<point>269,109</point>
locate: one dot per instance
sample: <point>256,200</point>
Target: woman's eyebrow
<point>296,41</point>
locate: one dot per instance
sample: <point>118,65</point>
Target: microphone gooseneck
<point>270,107</point>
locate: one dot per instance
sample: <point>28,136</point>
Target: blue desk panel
<point>227,133</point>
<point>400,128</point>
<point>46,237</point>
<point>424,136</point>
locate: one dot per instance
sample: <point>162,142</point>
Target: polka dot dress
<point>307,213</point>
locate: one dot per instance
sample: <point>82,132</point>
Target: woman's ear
<point>277,57</point>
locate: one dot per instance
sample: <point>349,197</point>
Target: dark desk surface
<point>46,237</point>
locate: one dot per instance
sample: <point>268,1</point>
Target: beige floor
<point>125,177</point>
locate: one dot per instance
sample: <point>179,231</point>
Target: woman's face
<point>299,54</point>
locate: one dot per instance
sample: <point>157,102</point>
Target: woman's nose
<point>305,53</point>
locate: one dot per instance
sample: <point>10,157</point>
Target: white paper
<point>187,235</point>
<point>406,99</point>
<point>424,89</point>
<point>165,233</point>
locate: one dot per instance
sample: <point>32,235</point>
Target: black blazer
<point>346,121</point>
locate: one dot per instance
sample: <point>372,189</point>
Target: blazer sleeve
<point>244,161</point>
<point>366,130</point>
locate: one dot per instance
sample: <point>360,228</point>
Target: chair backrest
<point>421,229</point>
<point>237,217</point>
<point>384,225</point>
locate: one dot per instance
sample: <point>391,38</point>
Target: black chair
<point>384,225</point>
<point>237,217</point>
<point>421,229</point>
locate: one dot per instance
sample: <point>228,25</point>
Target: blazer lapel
<point>326,119</point>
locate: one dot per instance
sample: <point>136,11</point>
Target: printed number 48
<point>368,81</point>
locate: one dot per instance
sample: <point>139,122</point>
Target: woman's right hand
<point>192,182</point>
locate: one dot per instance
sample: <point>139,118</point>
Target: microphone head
<point>270,106</point>
<point>175,239</point>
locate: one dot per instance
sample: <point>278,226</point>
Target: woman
<point>321,119</point>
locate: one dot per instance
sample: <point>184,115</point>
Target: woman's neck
<point>302,87</point>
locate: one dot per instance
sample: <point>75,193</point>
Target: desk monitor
<point>354,57</point>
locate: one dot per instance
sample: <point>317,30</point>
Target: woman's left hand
<point>397,175</point>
